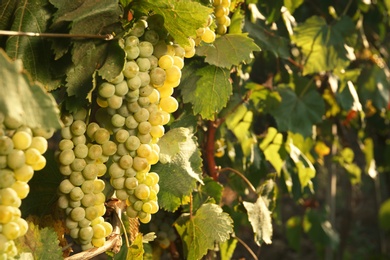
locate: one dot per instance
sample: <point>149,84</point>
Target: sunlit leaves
<point>207,88</point>
<point>324,46</point>
<point>260,218</point>
<point>24,100</point>
<point>270,146</point>
<point>179,167</point>
<point>228,50</point>
<point>200,232</point>
<point>181,18</point>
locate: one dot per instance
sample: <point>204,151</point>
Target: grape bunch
<point>162,226</point>
<point>205,33</point>
<point>21,153</point>
<point>221,12</point>
<point>83,152</point>
<point>135,106</point>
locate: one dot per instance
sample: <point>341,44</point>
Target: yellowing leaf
<point>208,226</point>
<point>228,50</point>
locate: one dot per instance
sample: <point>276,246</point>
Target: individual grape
<point>22,140</point>
<point>165,61</point>
<point>144,150</point>
<point>11,230</point>
<point>65,144</point>
<point>145,49</point>
<point>131,41</point>
<point>21,188</point>
<point>86,233</point>
<point>7,178</point>
<point>157,76</point>
<point>121,136</point>
<point>115,102</point>
<point>126,161</point>
<point>101,136</point>
<point>108,227</point>
<point>144,77</point>
<point>6,145</point>
<point>77,214</point>
<point>24,173</point>
<point>117,79</point>
<point>144,127</point>
<point>39,143</point>
<point>95,151</point>
<point>116,171</point>
<point>173,74</point>
<point>118,183</point>
<point>145,219</point>
<point>9,197</point>
<point>143,64</point>
<point>178,62</point>
<point>142,191</point>
<point>141,115</point>
<point>152,37</point>
<point>77,179</point>
<point>90,172</point>
<point>146,91</point>
<point>134,83</point>
<point>16,159</point>
<point>118,120</point>
<point>88,200</point>
<point>109,148</point>
<point>165,91</point>
<point>169,104</point>
<point>208,36</point>
<point>32,156</point>
<point>81,139</point>
<point>132,52</point>
<point>131,69</point>
<point>76,194</point>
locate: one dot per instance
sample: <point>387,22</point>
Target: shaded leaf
<point>181,18</point>
<point>208,89</point>
<point>179,167</point>
<point>384,215</point>
<point>41,242</point>
<point>268,40</point>
<point>208,226</point>
<point>228,50</point>
<point>24,100</point>
<point>324,46</point>
<point>6,15</point>
<point>210,191</point>
<point>294,232</point>
<point>296,113</point>
<point>260,218</point>
<point>114,62</point>
<point>32,16</point>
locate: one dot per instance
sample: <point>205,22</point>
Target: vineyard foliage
<point>291,100</point>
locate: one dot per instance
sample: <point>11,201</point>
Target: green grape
<point>147,207</point>
<point>66,133</point>
<point>118,120</point>
<point>11,230</point>
<point>141,115</point>
<point>143,64</point>
<point>157,76</point>
<point>190,53</point>
<point>131,41</point>
<point>165,91</point>
<point>153,158</point>
<point>22,140</point>
<point>88,200</point>
<point>138,205</point>
<point>99,231</point>
<point>132,52</point>
<point>219,11</point>
<point>139,163</point>
<point>90,171</point>
<point>121,89</point>
<point>91,129</point>
<point>65,186</point>
<point>114,102</point>
<point>81,114</point>
<point>11,122</point>
<point>63,202</point>
<point>81,151</point>
<point>173,74</point>
<point>118,183</point>
<point>145,49</point>
<point>144,77</point>
<point>78,127</point>
<point>65,144</point>
<point>144,127</point>
<point>24,173</point>
<point>157,131</point>
<point>106,90</point>
<point>142,192</point>
<point>70,223</point>
<point>7,178</point>
<point>101,136</point>
<point>130,172</point>
<point>122,135</point>
<point>81,139</point>
<point>109,148</point>
<point>146,91</point>
<point>122,150</point>
<point>131,212</point>
<point>100,208</point>
<point>123,111</point>
<point>92,212</point>
<point>208,36</point>
<point>116,171</point>
<point>169,104</point>
<point>152,37</point>
<point>86,233</point>
<point>221,29</point>
<point>145,139</point>
<point>153,61</point>
<point>101,168</point>
<point>160,49</point>
<point>155,118</point>
<point>126,161</point>
<point>154,97</point>
<point>144,150</point>
<point>145,219</point>
<point>133,107</point>
<point>117,79</point>
<point>32,156</point>
<point>39,143</point>
<point>6,145</point>
<point>121,194</point>
<point>178,62</point>
<point>76,193</point>
<point>95,151</point>
<point>170,50</point>
<point>77,214</point>
<point>40,164</point>
<point>98,220</point>
<point>78,164</point>
<point>74,204</point>
<point>16,159</point>
<point>98,242</point>
<point>21,188</point>
<point>84,223</point>
<point>76,178</point>
<point>88,186</point>
<point>134,83</point>
<point>99,199</point>
<point>9,197</point>
<point>155,207</point>
<point>131,69</point>
<point>131,183</point>
<point>165,61</point>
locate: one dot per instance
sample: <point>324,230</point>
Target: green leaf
<point>324,46</point>
<point>180,167</point>
<point>6,15</point>
<point>32,16</point>
<point>260,218</point>
<point>263,98</point>
<point>228,50</point>
<point>210,89</point>
<point>24,100</point>
<point>181,18</point>
<point>294,232</point>
<point>384,215</point>
<point>268,40</point>
<point>41,242</point>
<point>136,250</point>
<point>271,145</point>
<point>296,113</point>
<point>208,226</point>
<point>227,249</point>
<point>210,190</point>
<point>292,5</point>
<point>114,62</point>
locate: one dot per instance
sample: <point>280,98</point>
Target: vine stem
<point>106,37</point>
<point>246,247</point>
<point>251,187</point>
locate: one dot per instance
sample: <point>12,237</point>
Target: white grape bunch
<point>135,106</point>
<point>221,13</point>
<point>83,152</point>
<point>21,154</point>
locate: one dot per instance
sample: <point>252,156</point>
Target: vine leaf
<point>136,250</point>
<point>271,145</point>
<point>228,50</point>
<point>210,191</point>
<point>325,46</point>
<point>181,18</point>
<point>268,40</point>
<point>6,15</point>
<point>179,167</point>
<point>42,243</point>
<point>208,226</point>
<point>32,16</point>
<point>208,89</point>
<point>260,218</point>
<point>24,100</point>
<point>298,113</point>
<point>114,62</point>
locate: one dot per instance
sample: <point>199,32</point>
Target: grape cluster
<point>21,153</point>
<point>205,33</point>
<point>135,106</point>
<point>162,226</point>
<point>221,12</point>
<point>83,152</point>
